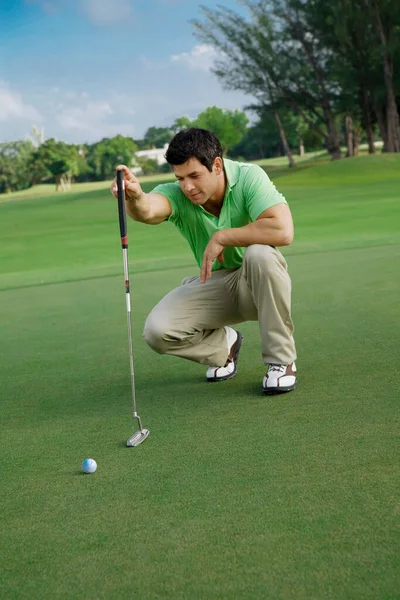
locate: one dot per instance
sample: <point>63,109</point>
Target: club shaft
<point>124,243</point>
<point>128,312</point>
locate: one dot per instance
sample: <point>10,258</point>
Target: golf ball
<point>89,465</point>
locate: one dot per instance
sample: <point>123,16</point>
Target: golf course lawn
<point>234,495</point>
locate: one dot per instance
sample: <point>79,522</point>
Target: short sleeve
<point>259,192</point>
<point>172,191</point>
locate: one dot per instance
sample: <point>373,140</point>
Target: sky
<point>88,69</point>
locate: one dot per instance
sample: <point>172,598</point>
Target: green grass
<point>277,167</point>
<point>282,161</point>
<point>48,189</point>
<point>234,495</point>
<point>357,171</point>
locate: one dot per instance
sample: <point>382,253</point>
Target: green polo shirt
<point>249,192</point>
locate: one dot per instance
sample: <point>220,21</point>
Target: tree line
<point>328,61</point>
<point>24,163</point>
<point>322,75</point>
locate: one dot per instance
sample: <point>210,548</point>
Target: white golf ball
<point>89,465</point>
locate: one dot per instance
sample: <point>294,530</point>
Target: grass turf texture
<point>234,495</point>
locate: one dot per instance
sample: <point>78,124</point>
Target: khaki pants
<point>188,322</point>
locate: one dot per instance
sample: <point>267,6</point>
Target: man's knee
<point>262,256</point>
<point>154,332</point>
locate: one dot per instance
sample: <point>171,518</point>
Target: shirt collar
<point>232,171</point>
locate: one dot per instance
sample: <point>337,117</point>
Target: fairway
<point>234,495</point>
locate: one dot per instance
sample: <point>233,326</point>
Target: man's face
<point>196,181</point>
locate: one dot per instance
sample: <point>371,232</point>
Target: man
<point>233,218</point>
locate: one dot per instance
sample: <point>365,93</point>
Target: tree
<point>229,126</point>
<point>275,50</point>
<point>14,165</point>
<point>260,141</point>
<point>148,165</point>
<point>283,120</point>
<point>85,172</point>
<point>301,130</point>
<point>181,123</point>
<point>386,18</point>
<point>55,160</point>
<point>157,137</point>
<point>284,141</point>
<point>345,28</point>
<point>105,155</point>
<point>362,44</point>
<point>322,59</point>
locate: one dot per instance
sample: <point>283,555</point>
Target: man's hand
<point>133,191</point>
<point>146,208</point>
<point>214,250</point>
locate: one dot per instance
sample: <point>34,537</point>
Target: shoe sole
<point>276,391</point>
<point>235,359</point>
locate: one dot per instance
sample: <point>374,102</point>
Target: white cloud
<point>87,111</point>
<point>200,58</point>
<point>103,12</point>
<point>12,106</point>
<point>89,118</point>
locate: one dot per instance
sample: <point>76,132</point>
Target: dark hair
<point>194,143</point>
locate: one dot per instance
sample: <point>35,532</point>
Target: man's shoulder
<point>171,190</point>
<point>172,187</point>
<point>241,172</point>
<point>240,166</point>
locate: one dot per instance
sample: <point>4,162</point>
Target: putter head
<point>137,438</point>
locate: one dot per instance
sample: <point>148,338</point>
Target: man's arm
<point>146,208</point>
<point>274,227</point>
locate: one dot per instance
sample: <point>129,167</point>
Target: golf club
<point>138,437</point>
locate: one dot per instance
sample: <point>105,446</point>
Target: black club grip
<point>121,208</point>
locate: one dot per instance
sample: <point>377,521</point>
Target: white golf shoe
<point>280,378</point>
<point>234,339</point>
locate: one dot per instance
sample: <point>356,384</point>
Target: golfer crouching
<point>234,220</point>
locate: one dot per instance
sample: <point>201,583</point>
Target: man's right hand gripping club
<point>146,208</point>
<point>134,197</point>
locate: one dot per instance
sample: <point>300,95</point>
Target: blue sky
<point>87,69</point>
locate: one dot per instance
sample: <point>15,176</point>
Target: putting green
<point>234,495</point>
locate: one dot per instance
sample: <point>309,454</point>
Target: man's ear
<point>218,165</point>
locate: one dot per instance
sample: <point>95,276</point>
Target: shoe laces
<point>279,368</point>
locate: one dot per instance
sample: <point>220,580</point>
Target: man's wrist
<point>220,237</point>
<point>135,200</point>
